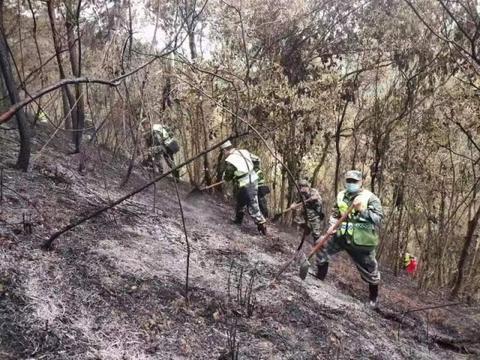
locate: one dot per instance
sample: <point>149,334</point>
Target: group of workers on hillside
<point>357,235</point>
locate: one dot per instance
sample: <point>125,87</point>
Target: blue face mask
<point>353,187</point>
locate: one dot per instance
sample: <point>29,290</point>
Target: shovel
<point>197,191</point>
<point>305,264</point>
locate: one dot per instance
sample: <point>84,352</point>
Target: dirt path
<point>113,288</point>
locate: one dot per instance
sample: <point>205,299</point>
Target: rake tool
<point>280,214</point>
<point>196,191</point>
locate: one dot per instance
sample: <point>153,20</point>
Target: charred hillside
<point>114,287</point>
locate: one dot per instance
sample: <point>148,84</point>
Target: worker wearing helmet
<point>161,144</point>
<point>241,172</point>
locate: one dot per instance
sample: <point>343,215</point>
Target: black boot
<point>322,270</point>
<point>238,219</point>
<point>373,295</point>
<point>262,228</point>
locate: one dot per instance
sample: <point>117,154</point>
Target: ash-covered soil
<point>114,287</point>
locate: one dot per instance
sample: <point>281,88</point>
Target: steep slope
<point>114,287</point>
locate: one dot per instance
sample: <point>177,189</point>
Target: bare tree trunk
<point>195,146</point>
<point>72,19</point>
<point>40,60</point>
<point>4,104</point>
<point>274,184</point>
<point>291,159</point>
<point>328,140</point>
<point>337,145</point>
<point>398,248</point>
<point>68,100</point>
<point>35,39</point>
<point>282,190</point>
<point>9,81</point>
<point>191,23</point>
<point>375,167</point>
<point>469,239</point>
<point>191,43</point>
<point>21,72</point>
<point>206,162</point>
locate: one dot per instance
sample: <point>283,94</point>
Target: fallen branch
<point>400,318</point>
<point>457,344</point>
<point>48,243</point>
<point>432,307</point>
<point>14,108</point>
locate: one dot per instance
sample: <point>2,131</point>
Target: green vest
<point>361,230</point>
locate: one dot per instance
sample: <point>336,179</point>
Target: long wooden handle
<point>285,211</point>
<point>213,185</point>
<point>323,240</point>
<point>293,208</point>
<point>298,205</point>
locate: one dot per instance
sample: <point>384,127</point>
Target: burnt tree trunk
<point>68,100</point>
<point>71,22</point>
<point>328,140</point>
<point>469,239</point>
<point>191,24</point>
<point>4,103</point>
<point>11,86</point>
<point>206,162</point>
<point>338,132</point>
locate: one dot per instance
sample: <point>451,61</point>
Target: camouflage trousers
<point>247,199</point>
<point>314,225</point>
<point>158,164</point>
<point>362,256</point>
<point>263,205</point>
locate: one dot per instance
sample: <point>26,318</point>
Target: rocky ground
<point>114,287</point>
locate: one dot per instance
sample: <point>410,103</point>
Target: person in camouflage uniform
<point>240,170</point>
<point>263,189</point>
<point>314,209</point>
<point>161,144</point>
<point>358,235</point>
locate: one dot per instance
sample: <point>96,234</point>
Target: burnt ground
<point>113,288</point>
